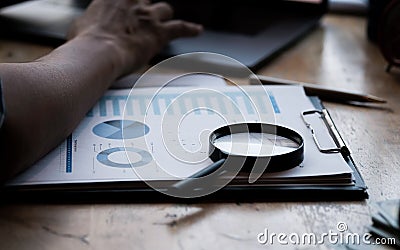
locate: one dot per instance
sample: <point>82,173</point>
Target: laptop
<point>252,32</point>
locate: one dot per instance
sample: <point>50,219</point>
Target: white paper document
<point>165,136</point>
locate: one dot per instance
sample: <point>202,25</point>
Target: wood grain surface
<point>335,54</point>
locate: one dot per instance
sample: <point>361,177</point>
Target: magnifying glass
<point>272,148</point>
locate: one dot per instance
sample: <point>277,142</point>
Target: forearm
<point>46,99</point>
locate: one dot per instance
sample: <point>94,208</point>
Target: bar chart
<point>178,103</point>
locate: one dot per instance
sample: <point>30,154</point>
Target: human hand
<point>135,29</point>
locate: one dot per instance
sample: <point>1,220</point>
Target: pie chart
<point>105,156</point>
<point>121,129</point>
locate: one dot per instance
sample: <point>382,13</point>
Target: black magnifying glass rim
<point>275,163</point>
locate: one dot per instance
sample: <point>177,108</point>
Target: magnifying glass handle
<point>188,182</point>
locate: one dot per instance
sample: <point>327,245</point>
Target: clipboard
<point>119,192</point>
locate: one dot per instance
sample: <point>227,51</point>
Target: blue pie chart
<point>121,129</point>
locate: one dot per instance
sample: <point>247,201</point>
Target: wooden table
<point>336,54</point>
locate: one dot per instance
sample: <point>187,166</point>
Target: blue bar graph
<point>253,102</point>
<point>117,101</point>
<point>273,102</point>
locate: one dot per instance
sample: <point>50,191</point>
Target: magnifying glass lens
<point>255,144</point>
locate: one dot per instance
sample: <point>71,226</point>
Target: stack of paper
<point>161,134</point>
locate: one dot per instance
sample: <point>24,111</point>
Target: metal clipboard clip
<point>340,145</point>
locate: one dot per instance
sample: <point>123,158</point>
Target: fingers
<point>159,11</point>
<point>178,28</point>
<point>162,13</point>
<point>162,10</point>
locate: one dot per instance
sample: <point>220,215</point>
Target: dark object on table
<point>389,34</point>
<point>375,11</point>
<point>253,32</point>
<point>386,222</point>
